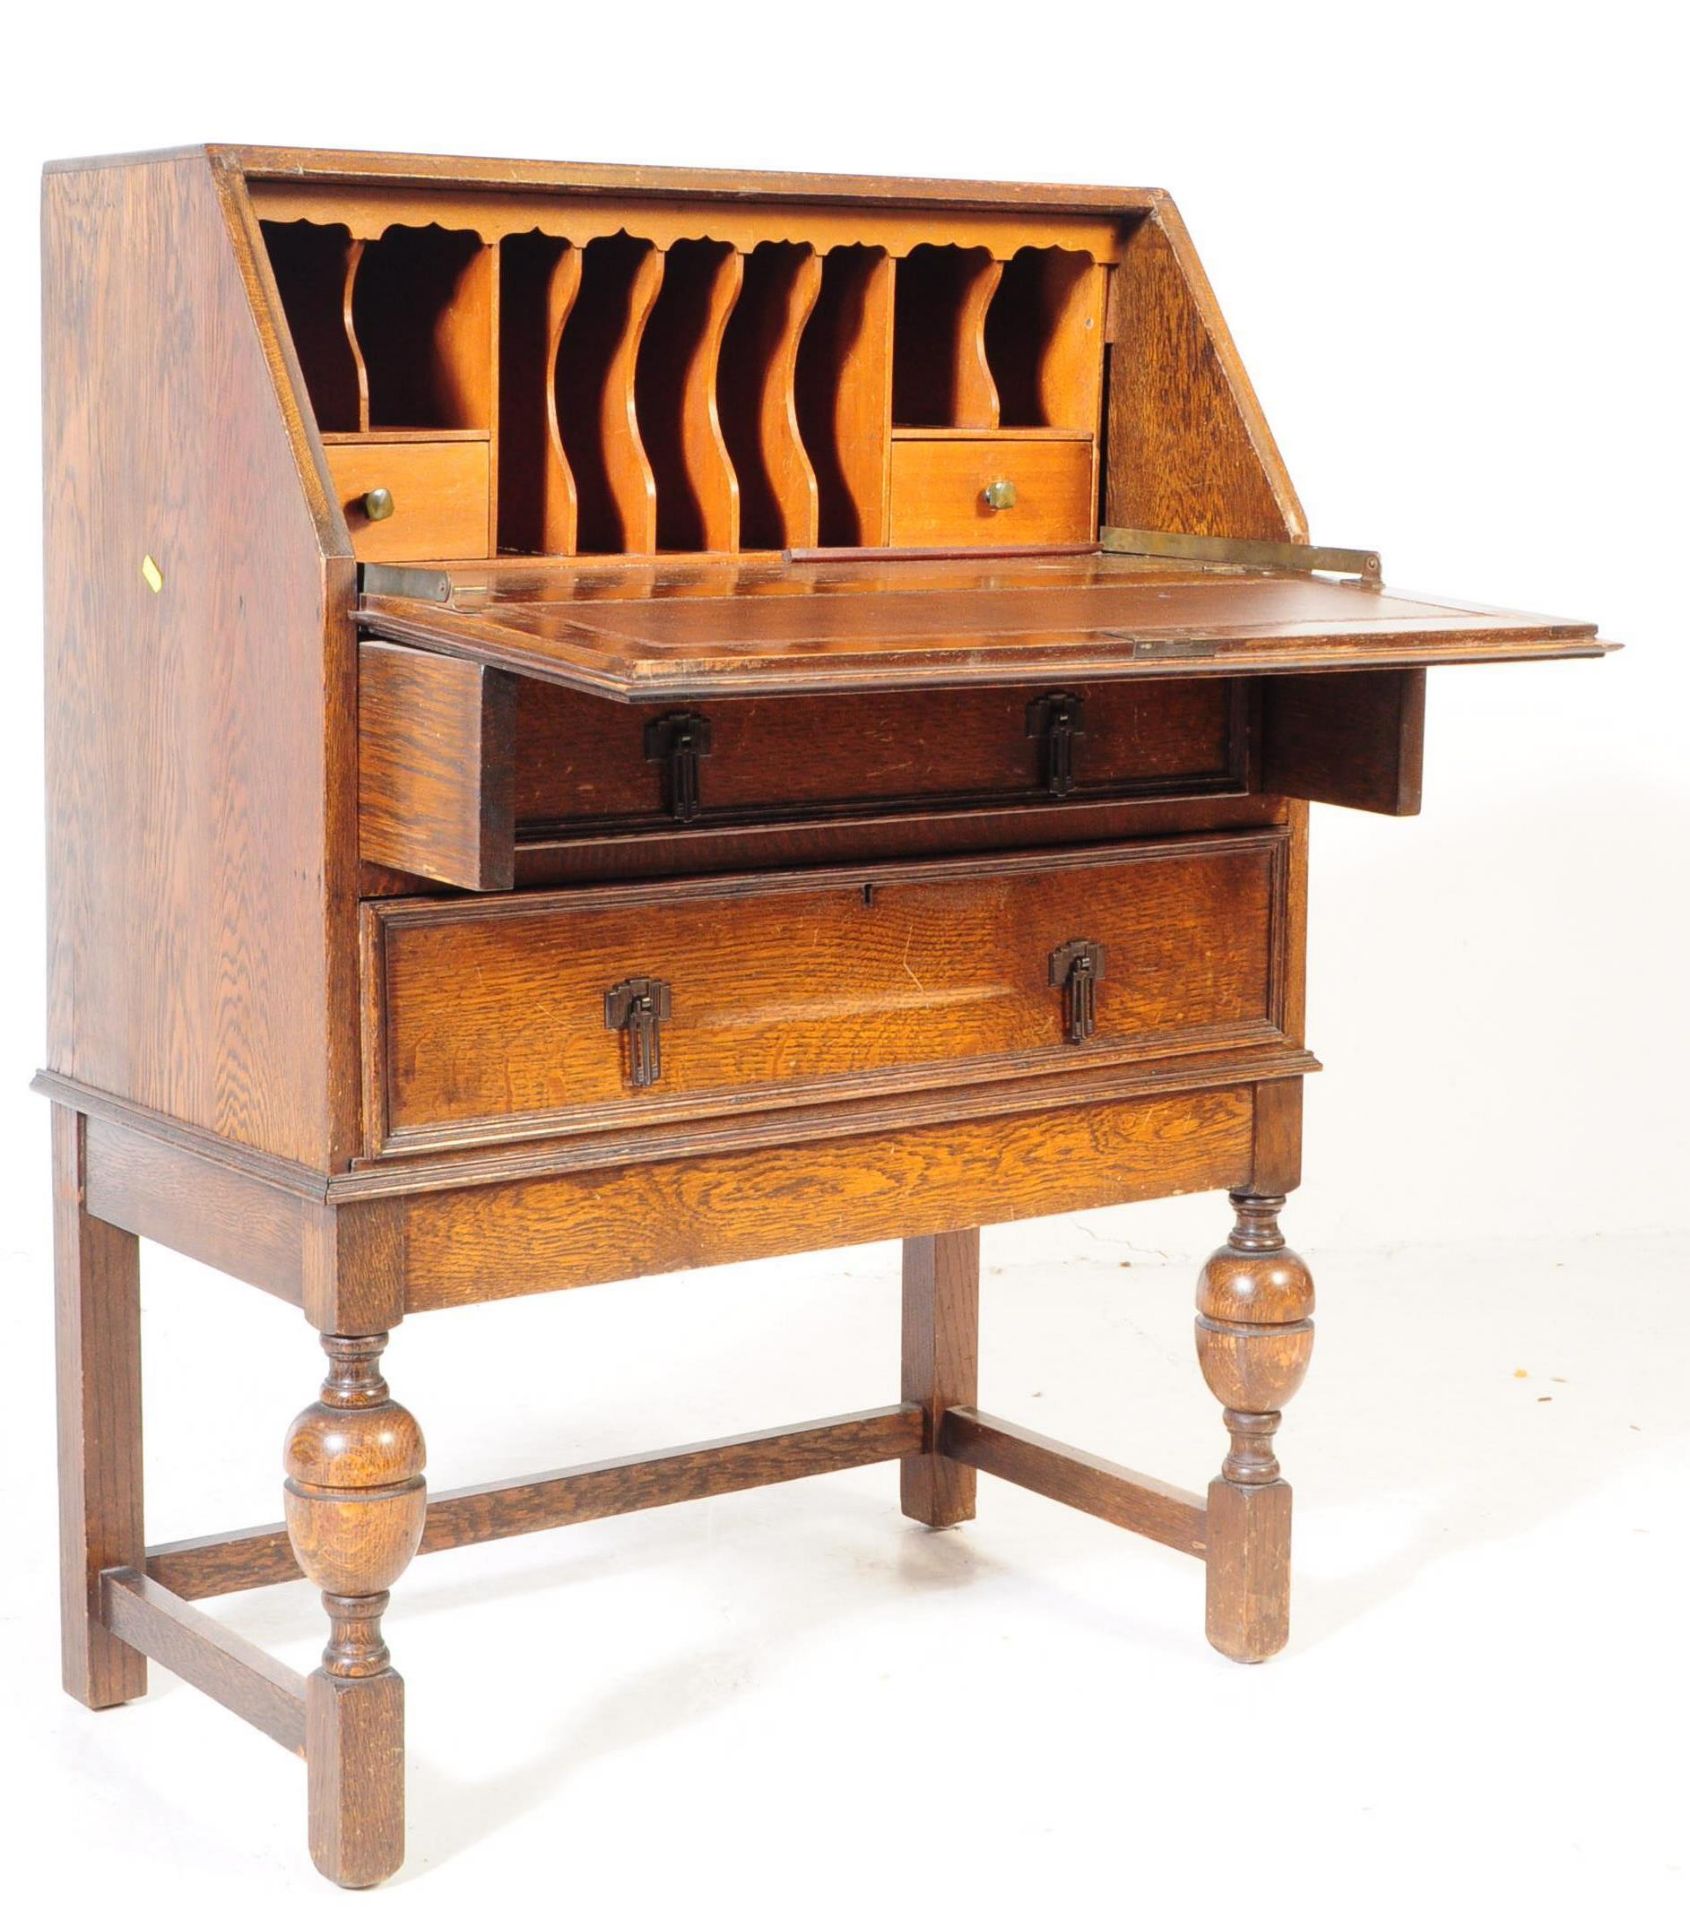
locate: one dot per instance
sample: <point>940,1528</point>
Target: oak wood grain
<point>97,1294</point>
<point>192,789</point>
<point>1352,739</point>
<point>593,394</point>
<point>941,1365</point>
<point>436,766</point>
<point>637,853</point>
<point>758,396</point>
<point>1077,1479</point>
<point>938,491</point>
<point>1254,1339</point>
<point>676,397</point>
<point>249,1219</point>
<point>160,1625</point>
<point>537,1236</point>
<point>468,1516</point>
<point>215,1213</point>
<point>489,1020</point>
<point>277,1046</point>
<point>439,489</point>
<point>584,205</point>
<point>580,761</point>
<point>1189,448</point>
<point>539,279</point>
<point>844,395</point>
<point>355,1767</point>
<point>1042,337</point>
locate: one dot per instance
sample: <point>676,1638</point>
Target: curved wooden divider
<point>844,395</point>
<point>559,504</point>
<point>593,396</point>
<point>675,399</point>
<point>633,485</point>
<point>354,259</point>
<point>778,495</point>
<point>1043,335</point>
<point>941,377</point>
<point>974,393</point>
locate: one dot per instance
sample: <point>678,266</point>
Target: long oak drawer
<point>460,763</point>
<point>558,1013</point>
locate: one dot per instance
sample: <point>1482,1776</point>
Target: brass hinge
<point>405,583</point>
<point>1286,555</point>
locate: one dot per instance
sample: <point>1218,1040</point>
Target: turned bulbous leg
<point>355,1503</point>
<point>1254,1336</point>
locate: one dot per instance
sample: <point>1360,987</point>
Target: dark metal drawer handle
<point>638,1008</point>
<point>1076,967</point>
<point>680,741</point>
<point>1056,721</point>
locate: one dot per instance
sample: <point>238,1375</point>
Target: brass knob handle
<point>999,495</point>
<point>378,504</point>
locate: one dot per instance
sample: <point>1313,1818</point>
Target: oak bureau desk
<point>605,720</point>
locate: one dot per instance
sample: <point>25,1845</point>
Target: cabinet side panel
<point>1189,449</point>
<point>185,674</point>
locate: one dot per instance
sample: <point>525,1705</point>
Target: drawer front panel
<point>439,490</point>
<point>490,1020</point>
<point>582,761</point>
<point>939,492</point>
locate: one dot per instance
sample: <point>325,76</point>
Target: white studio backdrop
<point>1448,240</point>
<point>1448,257</point>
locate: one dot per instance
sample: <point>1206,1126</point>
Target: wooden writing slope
<point>603,721</point>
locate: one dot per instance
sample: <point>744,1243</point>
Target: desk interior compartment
<point>394,337</point>
<point>737,386</point>
<point>392,334</point>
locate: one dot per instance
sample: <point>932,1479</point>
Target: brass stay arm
<point>1286,555</point>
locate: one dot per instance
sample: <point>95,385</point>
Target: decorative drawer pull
<point>999,495</point>
<point>638,1007</point>
<point>1076,967</point>
<point>378,504</point>
<point>1056,721</point>
<point>680,741</point>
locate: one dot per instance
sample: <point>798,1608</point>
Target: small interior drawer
<point>992,490</point>
<point>556,1012</point>
<point>437,493</point>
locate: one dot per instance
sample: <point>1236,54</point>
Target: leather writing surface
<point>775,626</point>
